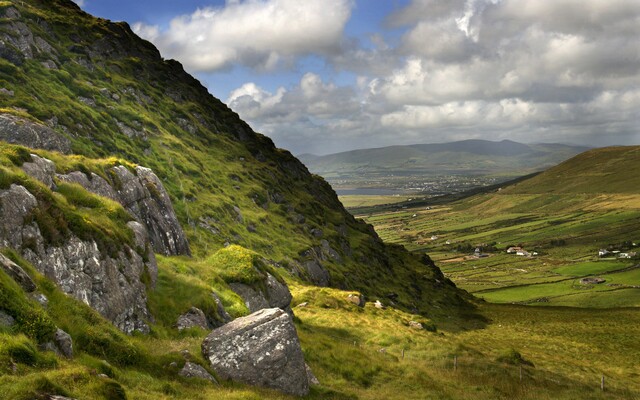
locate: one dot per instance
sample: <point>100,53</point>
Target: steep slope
<point>102,91</point>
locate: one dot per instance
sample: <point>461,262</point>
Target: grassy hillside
<point>600,171</point>
<point>241,200</point>
<point>111,94</point>
<point>565,215</point>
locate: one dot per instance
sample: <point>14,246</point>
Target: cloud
<point>440,70</point>
<point>304,117</point>
<point>80,3</point>
<point>260,34</point>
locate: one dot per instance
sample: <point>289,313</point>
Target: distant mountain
<point>474,157</point>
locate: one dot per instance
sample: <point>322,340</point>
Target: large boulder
<point>261,349</point>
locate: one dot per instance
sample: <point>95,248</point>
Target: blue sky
<point>323,76</point>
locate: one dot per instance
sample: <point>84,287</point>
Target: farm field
<point>565,231</point>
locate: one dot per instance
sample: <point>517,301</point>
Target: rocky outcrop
<point>275,294</point>
<point>17,273</point>
<point>62,344</point>
<point>193,318</point>
<point>110,283</point>
<point>191,370</point>
<point>22,131</point>
<point>261,349</point>
<point>41,169</point>
<point>222,313</point>
<point>142,194</point>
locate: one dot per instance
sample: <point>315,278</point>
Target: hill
<point>467,156</point>
<point>565,215</point>
<point>607,170</point>
<point>111,145</point>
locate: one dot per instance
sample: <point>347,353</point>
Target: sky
<point>324,76</point>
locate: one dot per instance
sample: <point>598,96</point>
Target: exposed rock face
<point>193,318</point>
<point>143,196</point>
<point>41,169</point>
<point>222,313</point>
<point>276,295</point>
<point>261,349</point>
<point>22,131</point>
<point>64,343</point>
<point>110,283</point>
<point>17,273</point>
<point>191,370</point>
<point>317,273</point>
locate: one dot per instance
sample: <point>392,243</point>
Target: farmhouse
<point>514,249</point>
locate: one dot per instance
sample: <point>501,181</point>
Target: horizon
<point>339,75</point>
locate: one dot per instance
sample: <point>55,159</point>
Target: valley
<point>559,228</point>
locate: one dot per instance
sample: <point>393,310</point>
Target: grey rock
<point>41,299</point>
<point>254,299</point>
<point>193,318</point>
<point>261,349</point>
<point>11,13</point>
<point>313,381</point>
<point>22,131</point>
<point>222,313</point>
<point>109,283</point>
<point>303,304</point>
<point>6,92</point>
<point>92,182</point>
<point>6,320</point>
<point>64,343</point>
<point>145,198</point>
<point>276,294</point>
<point>55,397</point>
<point>316,232</point>
<point>18,35</point>
<point>143,244</point>
<point>317,273</point>
<point>44,47</point>
<point>329,252</point>
<point>41,169</point>
<point>49,64</point>
<point>239,217</point>
<point>378,304</point>
<point>191,370</point>
<point>17,273</point>
<point>87,101</point>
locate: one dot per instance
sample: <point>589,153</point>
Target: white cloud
<point>80,3</point>
<point>528,70</point>
<point>261,34</point>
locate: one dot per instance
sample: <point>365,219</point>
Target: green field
<point>359,201</point>
<point>563,222</point>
